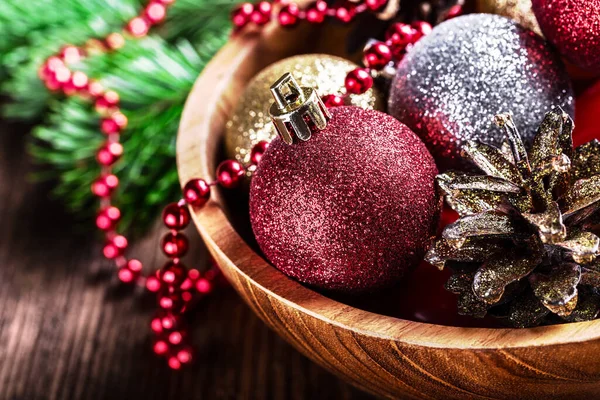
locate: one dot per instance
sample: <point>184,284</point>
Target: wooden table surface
<point>69,331</point>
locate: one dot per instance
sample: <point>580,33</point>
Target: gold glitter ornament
<point>250,122</point>
<point>527,244</point>
<point>518,10</point>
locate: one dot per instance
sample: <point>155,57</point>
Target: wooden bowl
<point>383,355</point>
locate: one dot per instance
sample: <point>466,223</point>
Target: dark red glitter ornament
<point>352,209</point>
<point>573,26</point>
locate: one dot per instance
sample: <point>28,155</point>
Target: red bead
<point>113,124</point>
<point>156,325</point>
<point>169,322</point>
<point>196,192</point>
<point>138,27</point>
<point>377,56</point>
<point>106,101</point>
<point>332,100</point>
<point>230,174</point>
<point>399,36</point>
<point>423,28</point>
<point>126,275</point>
<point>105,185</point>
<point>375,5</point>
<point>114,41</point>
<point>173,302</point>
<point>185,355</point>
<point>155,12</point>
<point>115,247</point>
<point>345,14</point>
<point>455,11</point>
<point>175,245</point>
<point>173,274</point>
<point>241,14</point>
<point>71,54</point>
<point>316,14</point>
<point>53,64</point>
<point>79,80</point>
<point>108,218</point>
<point>358,81</point>
<point>176,216</point>
<point>262,13</point>
<point>187,284</point>
<point>193,274</point>
<point>153,284</point>
<point>160,347</point>
<point>95,88</point>
<point>174,363</point>
<point>288,15</point>
<point>109,153</point>
<point>204,286</point>
<point>135,266</point>
<point>257,151</point>
<point>187,296</point>
<point>175,337</point>
<point>62,75</point>
<point>190,282</point>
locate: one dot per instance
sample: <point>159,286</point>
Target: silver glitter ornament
<point>453,81</point>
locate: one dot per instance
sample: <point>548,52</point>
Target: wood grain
<point>69,332</point>
<point>387,356</point>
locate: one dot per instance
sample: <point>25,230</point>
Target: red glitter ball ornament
<point>573,26</point>
<point>352,209</point>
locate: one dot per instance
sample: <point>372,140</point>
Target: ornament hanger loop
<point>297,111</point>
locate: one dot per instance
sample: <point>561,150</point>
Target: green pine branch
<point>153,77</point>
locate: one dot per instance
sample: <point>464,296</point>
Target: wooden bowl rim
<point>194,135</point>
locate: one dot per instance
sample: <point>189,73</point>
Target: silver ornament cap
<point>297,111</point>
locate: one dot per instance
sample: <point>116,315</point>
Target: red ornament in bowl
<point>573,26</point>
<point>351,209</point>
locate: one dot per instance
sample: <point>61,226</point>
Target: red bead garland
<point>57,76</point>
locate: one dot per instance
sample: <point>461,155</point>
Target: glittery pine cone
<point>526,244</point>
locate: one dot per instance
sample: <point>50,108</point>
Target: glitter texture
<point>451,84</point>
<point>350,210</point>
<point>250,121</point>
<point>573,26</point>
<point>518,10</point>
